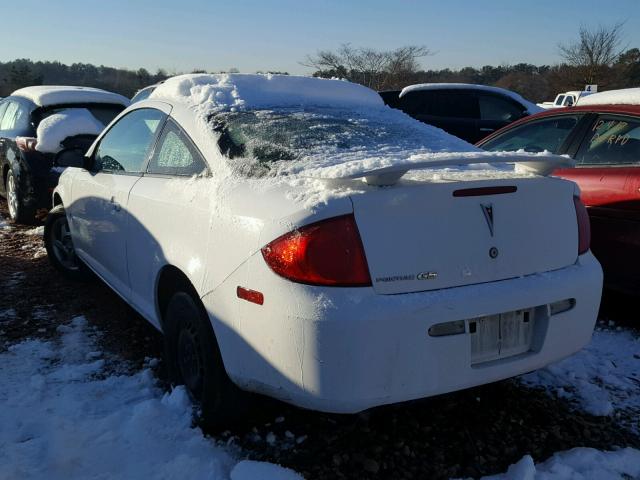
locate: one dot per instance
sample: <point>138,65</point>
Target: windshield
<point>262,142</point>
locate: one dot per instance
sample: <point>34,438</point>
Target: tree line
<point>20,73</point>
<point>595,57</point>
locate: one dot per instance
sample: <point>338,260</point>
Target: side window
<point>125,147</point>
<point>415,102</point>
<point>175,154</point>
<point>12,116</point>
<point>142,94</point>
<point>3,108</point>
<point>611,141</point>
<point>543,135</point>
<point>569,101</point>
<point>498,109</point>
<point>455,105</point>
<point>440,103</point>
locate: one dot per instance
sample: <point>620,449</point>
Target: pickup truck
<point>566,99</point>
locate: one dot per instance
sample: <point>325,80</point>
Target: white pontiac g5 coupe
<point>297,238</point>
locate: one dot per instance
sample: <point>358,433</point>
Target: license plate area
<point>504,335</point>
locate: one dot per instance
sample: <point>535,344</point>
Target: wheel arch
<point>57,199</point>
<point>171,279</point>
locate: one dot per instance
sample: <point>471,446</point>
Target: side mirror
<point>70,157</point>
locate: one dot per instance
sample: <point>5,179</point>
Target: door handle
<point>115,205</point>
<point>485,129</point>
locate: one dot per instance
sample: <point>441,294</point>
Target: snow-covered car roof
<point>45,95</point>
<point>366,135</point>
<point>530,106</point>
<point>246,91</point>
<point>625,96</point>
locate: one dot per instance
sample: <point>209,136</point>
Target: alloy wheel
<point>12,196</point>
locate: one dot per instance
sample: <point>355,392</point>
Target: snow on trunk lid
<point>419,236</point>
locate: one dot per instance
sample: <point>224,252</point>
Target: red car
<point>605,142</point>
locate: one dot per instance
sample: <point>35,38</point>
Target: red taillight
<point>584,227</point>
<point>329,252</point>
<point>26,144</point>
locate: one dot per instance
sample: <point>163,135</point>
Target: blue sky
<point>276,35</point>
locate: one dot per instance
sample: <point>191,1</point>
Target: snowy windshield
<point>283,141</point>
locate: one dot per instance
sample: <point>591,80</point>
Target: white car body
<point>342,349</point>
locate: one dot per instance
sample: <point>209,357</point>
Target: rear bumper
<point>346,350</point>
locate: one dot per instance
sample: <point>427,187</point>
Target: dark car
<point>468,111</point>
<point>30,173</point>
<point>604,140</point>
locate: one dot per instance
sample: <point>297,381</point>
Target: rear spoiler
<point>532,164</point>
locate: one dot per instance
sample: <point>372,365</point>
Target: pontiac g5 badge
<point>487,209</point>
<point>427,276</point>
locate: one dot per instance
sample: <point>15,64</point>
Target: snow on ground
<point>603,378</point>
<point>54,129</point>
<point>577,464</point>
<point>36,231</point>
<point>64,416</point>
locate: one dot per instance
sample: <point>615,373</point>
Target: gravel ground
<point>466,434</point>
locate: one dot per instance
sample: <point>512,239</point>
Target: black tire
<point>59,246</point>
<point>18,210</point>
<point>193,360</point>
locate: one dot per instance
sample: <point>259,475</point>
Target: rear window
<point>270,142</point>
<point>103,113</point>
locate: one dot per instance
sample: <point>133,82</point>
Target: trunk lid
<point>422,236</point>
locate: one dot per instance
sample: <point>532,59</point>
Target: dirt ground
<point>471,433</point>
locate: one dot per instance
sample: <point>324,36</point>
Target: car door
<point>98,214</point>
<point>496,112</point>
<point>169,210</point>
<point>608,172</point>
<point>454,111</point>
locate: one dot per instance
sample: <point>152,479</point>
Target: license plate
<point>500,336</point>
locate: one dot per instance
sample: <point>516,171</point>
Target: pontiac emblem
<point>487,209</point>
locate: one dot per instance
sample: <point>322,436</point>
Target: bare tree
<point>594,51</point>
<point>367,66</point>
